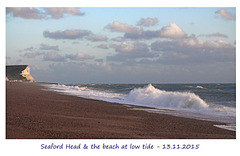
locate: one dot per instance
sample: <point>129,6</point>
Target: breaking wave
<point>153,97</point>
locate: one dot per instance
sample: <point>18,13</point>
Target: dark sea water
<point>215,102</point>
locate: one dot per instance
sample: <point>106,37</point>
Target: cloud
<point>54,56</point>
<point>33,54</point>
<point>48,47</point>
<point>172,31</point>
<point>29,49</point>
<point>143,35</point>
<point>127,47</point>
<point>25,12</point>
<point>193,50</point>
<point>43,13</point>
<point>59,12</point>
<point>121,27</point>
<point>118,39</point>
<point>67,34</point>
<point>214,35</point>
<point>191,45</point>
<point>128,50</point>
<point>225,14</point>
<point>79,57</point>
<point>96,38</point>
<point>147,22</point>
<point>102,46</point>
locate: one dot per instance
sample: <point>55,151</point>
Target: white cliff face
<point>26,73</point>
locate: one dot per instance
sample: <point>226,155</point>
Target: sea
<point>212,102</point>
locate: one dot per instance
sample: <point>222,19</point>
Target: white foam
<point>231,127</point>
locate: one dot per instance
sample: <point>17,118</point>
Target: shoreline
<point>34,113</point>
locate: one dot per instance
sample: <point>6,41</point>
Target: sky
<point>124,44</point>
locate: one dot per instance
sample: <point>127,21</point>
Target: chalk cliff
<point>18,73</point>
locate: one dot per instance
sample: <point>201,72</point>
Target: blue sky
<point>124,45</point>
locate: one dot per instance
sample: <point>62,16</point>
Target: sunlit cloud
<point>225,14</point>
<point>122,27</point>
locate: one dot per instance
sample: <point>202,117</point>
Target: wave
<point>153,97</point>
<point>200,87</point>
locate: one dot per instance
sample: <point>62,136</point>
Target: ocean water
<point>214,102</point>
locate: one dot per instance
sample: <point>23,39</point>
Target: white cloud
<point>121,27</point>
<point>172,31</point>
<point>225,14</point>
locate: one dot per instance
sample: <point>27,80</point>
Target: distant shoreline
<point>34,113</point>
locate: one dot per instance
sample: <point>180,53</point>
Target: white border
<point>33,147</point>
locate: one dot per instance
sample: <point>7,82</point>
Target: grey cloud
<point>48,47</point>
<point>127,50</point>
<point>29,49</point>
<point>118,39</point>
<point>79,57</point>
<point>214,35</point>
<point>43,13</point>
<point>59,12</point>
<point>192,44</point>
<point>25,12</point>
<point>147,22</point>
<point>143,35</point>
<point>96,38</point>
<point>33,54</point>
<point>225,14</point>
<point>67,34</point>
<point>54,56</point>
<point>102,46</point>
<point>194,51</point>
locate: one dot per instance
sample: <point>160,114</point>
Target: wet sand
<point>34,113</point>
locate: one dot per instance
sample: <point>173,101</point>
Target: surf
<point>180,103</point>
